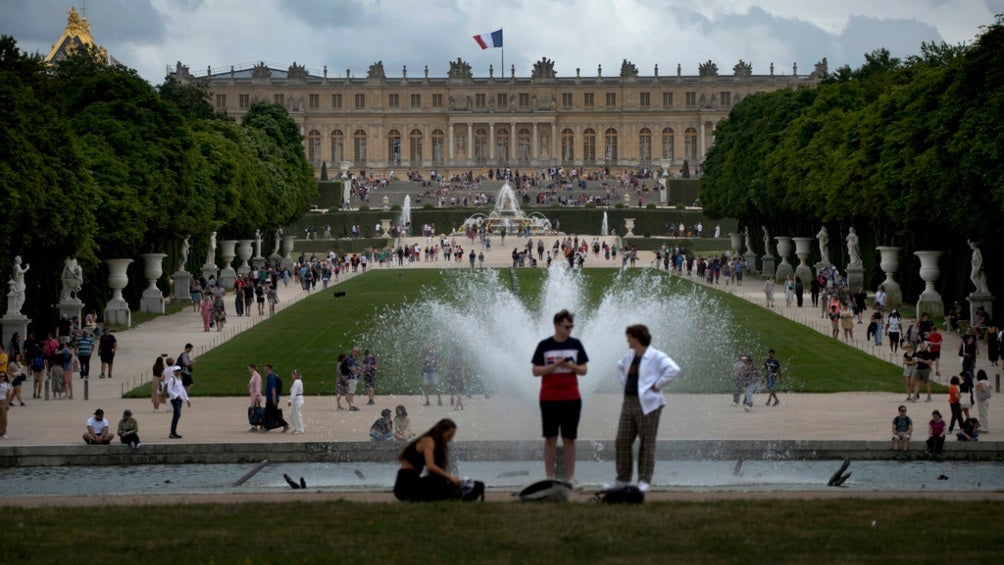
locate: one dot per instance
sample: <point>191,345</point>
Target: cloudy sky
<point>150,35</point>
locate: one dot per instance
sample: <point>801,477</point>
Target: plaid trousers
<point>634,424</point>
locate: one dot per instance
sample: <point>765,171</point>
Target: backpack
<point>627,494</point>
<point>472,491</point>
<point>38,362</point>
<point>548,490</point>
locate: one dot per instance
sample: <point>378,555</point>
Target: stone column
<point>227,273</point>
<point>117,310</point>
<point>491,142</point>
<point>469,144</point>
<point>534,152</point>
<point>152,299</point>
<point>889,264</point>
<point>783,250</point>
<point>930,301</point>
<point>855,276</point>
<point>182,286</point>
<point>451,142</point>
<point>803,249</point>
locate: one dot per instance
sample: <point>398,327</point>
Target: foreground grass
<point>717,531</point>
<point>310,334</point>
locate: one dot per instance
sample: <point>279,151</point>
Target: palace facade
<point>461,122</point>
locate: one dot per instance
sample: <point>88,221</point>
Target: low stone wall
<point>343,452</point>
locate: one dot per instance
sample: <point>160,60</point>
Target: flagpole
<point>503,60</point>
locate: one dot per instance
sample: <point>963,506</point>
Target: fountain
<point>405,220</point>
<point>604,227</point>
<point>508,217</point>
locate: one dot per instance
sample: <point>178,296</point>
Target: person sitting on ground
<point>969,431</point>
<point>429,452</point>
<point>383,428</point>
<point>129,430</point>
<point>936,435</point>
<point>98,429</point>
<point>902,429</point>
<point>402,424</point>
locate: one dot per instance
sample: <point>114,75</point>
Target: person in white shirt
<point>176,393</point>
<point>295,402</point>
<point>98,429</point>
<point>643,371</point>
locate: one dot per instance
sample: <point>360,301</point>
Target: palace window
<point>691,98</point>
<point>244,100</point>
<point>314,146</point>
<point>438,146</point>
<point>667,99</point>
<point>416,100</point>
<point>523,145</point>
<point>610,145</point>
<point>221,101</point>
<point>415,155</point>
<point>502,145</point>
<point>589,145</point>
<point>481,144</point>
<point>566,99</point>
<point>668,143</point>
<point>479,101</point>
<point>611,99</point>
<point>336,100</point>
<point>645,144</point>
<point>314,100</point>
<point>690,145</point>
<point>643,100</point>
<point>726,98</point>
<point>437,100</point>
<point>393,101</point>
<point>567,145</point>
<point>360,101</point>
<point>587,100</point>
<point>279,99</point>
<point>502,100</point>
<point>394,146</point>
<point>337,147</point>
<point>524,100</point>
<point>359,149</point>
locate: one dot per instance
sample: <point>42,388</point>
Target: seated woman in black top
<point>431,452</point>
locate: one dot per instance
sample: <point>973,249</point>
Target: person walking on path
<point>176,394</point>
<point>273,393</point>
<point>768,291</point>
<point>295,402</point>
<point>773,369</point>
<point>254,389</point>
<point>559,361</point>
<point>107,346</point>
<point>642,372</point>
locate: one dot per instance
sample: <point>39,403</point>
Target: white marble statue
<point>186,245</point>
<point>976,275</point>
<point>17,288</point>
<point>211,250</point>
<point>853,249</point>
<point>257,243</point>
<point>746,238</point>
<point>72,278</point>
<point>824,245</point>
<point>766,240</point>
<point>278,240</point>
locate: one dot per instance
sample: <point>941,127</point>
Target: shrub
<point>619,205</point>
<point>681,207</point>
<point>364,208</point>
<point>395,208</point>
<point>650,206</point>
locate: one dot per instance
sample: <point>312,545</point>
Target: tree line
<point>96,163</point>
<point>909,152</point>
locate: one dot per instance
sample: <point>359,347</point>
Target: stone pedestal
<point>820,267</point>
<point>182,287</point>
<point>768,265</point>
<point>975,299</point>
<point>258,262</point>
<point>929,301</point>
<point>70,308</point>
<point>12,324</point>
<point>889,264</point>
<point>627,199</point>
<point>210,271</point>
<point>287,250</point>
<point>243,254</point>
<point>117,310</point>
<point>783,250</point>
<point>227,274</point>
<point>750,261</point>
<point>855,277</point>
<point>629,226</point>
<point>803,249</point>
<point>153,299</point>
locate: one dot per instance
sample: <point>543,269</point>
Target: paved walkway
<point>844,416</point>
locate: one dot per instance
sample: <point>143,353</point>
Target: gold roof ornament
<point>77,34</point>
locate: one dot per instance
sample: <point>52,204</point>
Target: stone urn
<point>889,263</point>
<point>227,273</point>
<point>803,249</point>
<point>930,301</point>
<point>117,310</point>
<point>629,227</point>
<point>287,250</point>
<point>736,239</point>
<point>243,255</point>
<point>783,250</point>
<point>152,299</point>
<point>385,227</point>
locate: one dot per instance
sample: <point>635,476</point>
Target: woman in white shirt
<point>295,402</point>
<point>176,393</point>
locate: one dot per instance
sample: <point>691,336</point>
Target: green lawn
<point>743,531</point>
<point>310,334</point>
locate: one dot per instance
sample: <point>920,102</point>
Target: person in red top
<point>559,361</point>
<point>934,339</point>
<point>954,396</point>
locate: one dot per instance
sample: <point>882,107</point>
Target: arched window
<point>337,147</point>
<point>645,144</point>
<point>359,147</point>
<point>314,147</point>
<point>668,143</point>
<point>523,145</point>
<point>567,146</point>
<point>394,146</point>
<point>481,145</point>
<point>438,147</point>
<point>610,146</point>
<point>415,153</point>
<point>502,145</point>
<point>589,145</point>
<point>690,145</point>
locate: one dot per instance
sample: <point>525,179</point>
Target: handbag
<point>256,415</point>
<point>983,395</point>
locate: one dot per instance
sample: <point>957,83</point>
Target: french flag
<point>486,40</point>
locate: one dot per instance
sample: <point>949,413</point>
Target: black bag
<point>256,415</point>
<point>548,490</point>
<point>472,491</point>
<point>628,494</point>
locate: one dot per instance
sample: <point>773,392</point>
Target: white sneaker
<point>139,445</point>
<point>644,486</point>
<point>615,485</point>
<point>747,407</point>
<point>735,404</point>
